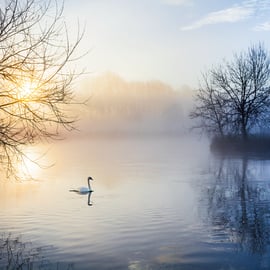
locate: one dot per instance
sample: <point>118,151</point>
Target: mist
<point>117,107</point>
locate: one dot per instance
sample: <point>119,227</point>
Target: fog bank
<point>119,107</point>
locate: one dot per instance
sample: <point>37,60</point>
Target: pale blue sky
<point>168,40</point>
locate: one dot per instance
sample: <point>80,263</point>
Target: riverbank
<point>256,145</point>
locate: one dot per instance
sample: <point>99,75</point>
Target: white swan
<point>84,190</point>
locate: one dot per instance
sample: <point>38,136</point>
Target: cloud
<point>178,2</point>
<point>229,15</point>
<point>258,5</point>
<point>262,27</point>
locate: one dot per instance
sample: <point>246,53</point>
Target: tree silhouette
<point>35,76</point>
<point>234,98</point>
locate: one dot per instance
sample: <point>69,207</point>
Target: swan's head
<point>90,178</point>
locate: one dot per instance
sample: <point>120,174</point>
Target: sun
<point>26,90</point>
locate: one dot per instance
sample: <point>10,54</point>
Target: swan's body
<point>84,190</point>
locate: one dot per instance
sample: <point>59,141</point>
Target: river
<point>158,203</point>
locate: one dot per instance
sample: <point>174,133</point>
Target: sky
<point>173,41</point>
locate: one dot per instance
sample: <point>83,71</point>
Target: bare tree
<point>210,109</point>
<point>35,76</point>
<point>235,97</point>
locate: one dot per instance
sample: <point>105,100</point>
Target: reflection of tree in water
<point>238,203</point>
<point>19,255</point>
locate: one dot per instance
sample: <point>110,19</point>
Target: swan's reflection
<point>89,202</point>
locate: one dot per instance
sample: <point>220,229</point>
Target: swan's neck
<point>89,184</point>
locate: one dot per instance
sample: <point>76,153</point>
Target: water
<point>162,203</point>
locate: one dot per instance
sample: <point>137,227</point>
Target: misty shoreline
<point>258,145</point>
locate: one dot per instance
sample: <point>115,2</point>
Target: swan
<point>84,190</point>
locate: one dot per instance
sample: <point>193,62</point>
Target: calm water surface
<point>157,204</point>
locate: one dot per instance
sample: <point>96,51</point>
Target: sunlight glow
<point>29,166</point>
<point>26,90</point>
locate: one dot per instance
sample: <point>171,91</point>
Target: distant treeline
<point>118,107</point>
